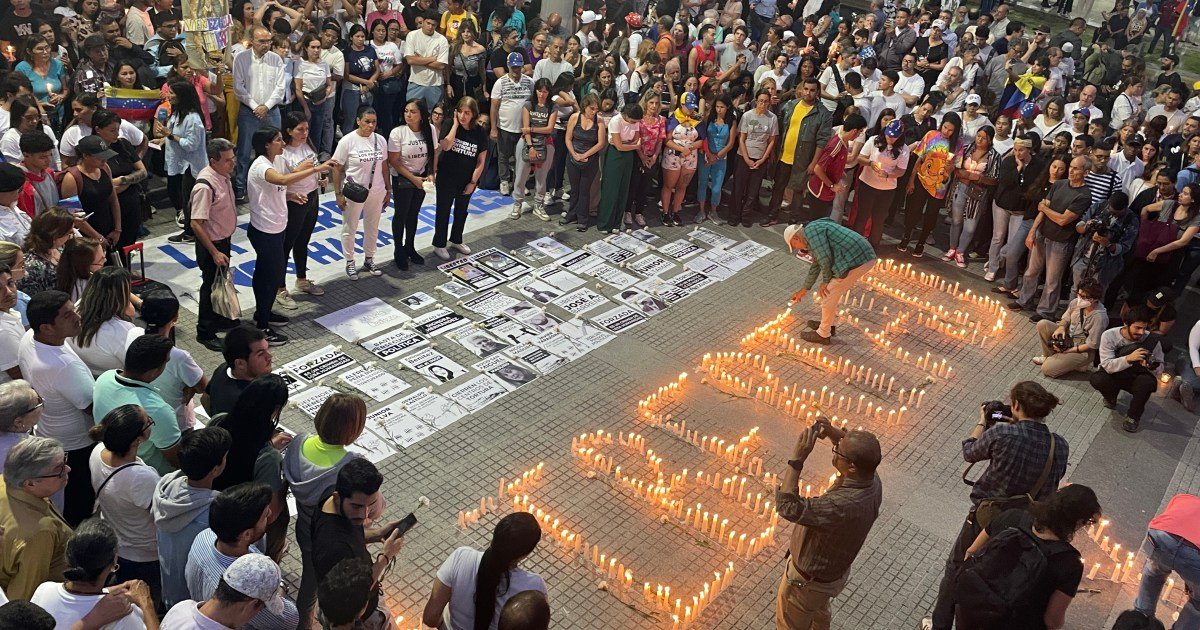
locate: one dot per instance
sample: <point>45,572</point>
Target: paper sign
<point>559,278</point>
<point>584,335</point>
<point>580,262</point>
<point>531,316</point>
<point>394,344</point>
<point>433,365</point>
<point>539,291</point>
<point>418,300</point>
<point>310,400</point>
<point>619,318</point>
<point>629,242</point>
<point>511,376</point>
<point>500,263</point>
<point>323,362</point>
<point>703,265</point>
<point>610,252</point>
<point>681,249</point>
<point>294,384</point>
<point>705,235</point>
<point>507,330</point>
<point>650,265</point>
<point>550,247</point>
<point>750,250</point>
<point>541,359</point>
<point>558,344</point>
<point>477,393</point>
<point>439,321</point>
<point>374,382</point>
<point>471,274</point>
<point>372,447</point>
<point>433,409</point>
<point>612,276</point>
<point>362,320</point>
<point>478,342</point>
<point>455,290</point>
<point>398,425</point>
<point>645,303</point>
<point>580,301</point>
<point>489,303</point>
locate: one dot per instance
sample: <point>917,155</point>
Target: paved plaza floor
<point>894,580</point>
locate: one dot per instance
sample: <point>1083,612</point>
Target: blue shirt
<point>187,150</point>
<point>360,63</point>
<point>718,136</point>
<point>43,86</point>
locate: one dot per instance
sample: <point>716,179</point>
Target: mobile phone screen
<point>404,525</point>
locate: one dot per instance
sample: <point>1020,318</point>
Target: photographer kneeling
<point>1130,359</point>
<point>1026,461</point>
<point>1068,344</point>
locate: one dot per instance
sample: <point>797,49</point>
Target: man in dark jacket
<point>893,43</point>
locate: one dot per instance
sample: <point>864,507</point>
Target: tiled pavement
<point>894,580</point>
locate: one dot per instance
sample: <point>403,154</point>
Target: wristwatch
<point>796,464</point>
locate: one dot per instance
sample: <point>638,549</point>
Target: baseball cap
<point>1137,139</point>
<point>1042,29</point>
<point>1173,57</point>
<point>1161,297</point>
<point>1028,110</point>
<point>894,129</point>
<point>516,60</point>
<point>11,177</point>
<point>973,99</point>
<point>1085,112</point>
<point>634,20</point>
<point>939,24</point>
<point>95,147</point>
<point>255,575</point>
<point>788,233</point>
<point>689,100</point>
<point>587,17</point>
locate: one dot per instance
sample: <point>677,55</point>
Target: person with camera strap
<point>1026,462</point>
<point>1131,359</point>
<point>1068,343</point>
<point>1109,234</point>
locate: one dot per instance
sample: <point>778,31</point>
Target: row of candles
<point>665,394</point>
<point>952,323</point>
<point>736,452</point>
<point>1122,568</point>
<point>928,362</point>
<point>935,281</point>
<point>504,489</point>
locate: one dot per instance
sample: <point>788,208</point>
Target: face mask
<point>1086,303</point>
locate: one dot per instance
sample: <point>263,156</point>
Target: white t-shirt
<point>287,162</point>
<point>829,83</point>
<point>626,131</point>
<point>5,120</point>
<point>312,75</point>
<point>886,162</point>
<point>186,615</point>
<point>268,202</point>
<point>65,384</point>
<point>125,503</point>
<point>512,95</point>
<point>10,147</point>
<point>459,572</point>
<point>11,332</point>
<point>182,371</point>
<point>411,146</point>
<point>388,54</point>
<point>108,346</point>
<point>14,224</point>
<point>911,86</point>
<point>418,44</point>
<point>67,608</point>
<point>358,155</point>
<point>71,137</point>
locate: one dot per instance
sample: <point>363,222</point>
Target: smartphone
<point>402,526</point>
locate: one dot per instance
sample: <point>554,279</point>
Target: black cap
<point>1137,139</point>
<point>331,24</point>
<point>1173,57</point>
<point>96,147</point>
<point>11,177</point>
<point>1161,297</point>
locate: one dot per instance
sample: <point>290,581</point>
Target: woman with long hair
<point>936,154</point>
<point>314,87</point>
<point>562,94</point>
<point>127,172</point>
<point>652,132</point>
<point>468,63</point>
<point>535,149</point>
<point>125,484</point>
<point>463,158</point>
<point>720,131</point>
<point>362,156</point>
<point>412,154</point>
<point>1020,240</point>
<point>1163,264</point>
<point>81,257</point>
<point>389,89</point>
<point>25,115</point>
<point>47,74</point>
<point>977,174</point>
<point>107,328</point>
<point>48,233</point>
<point>586,138</point>
<point>302,198</point>
<point>362,75</point>
<point>617,167</point>
<point>486,578</point>
<point>125,77</point>
<point>185,154</point>
<point>183,378</point>
<point>1051,120</point>
<point>67,52</point>
<point>91,181</point>
<point>685,137</point>
<point>82,108</point>
<point>883,161</point>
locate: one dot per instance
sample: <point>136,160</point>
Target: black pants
<point>302,219</point>
<point>817,208</point>
<point>447,197</point>
<point>1135,380</point>
<point>581,177</point>
<point>747,183</point>
<point>783,174</point>
<point>269,267</point>
<point>638,185</point>
<point>78,497</point>
<point>206,322</point>
<point>179,190</point>
<point>506,155</point>
<point>147,572</point>
<point>408,200</point>
<point>943,610</point>
<point>555,180</point>
<point>922,208</point>
<point>873,204</point>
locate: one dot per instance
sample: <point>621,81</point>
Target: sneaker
<point>919,250</point>
<point>929,240</point>
<point>182,237</point>
<point>275,338</point>
<point>351,270</point>
<point>902,246</point>
<point>563,220</point>
<point>816,323</point>
<point>948,256</point>
<point>540,213</point>
<point>563,196</point>
<point>628,218</point>
<point>515,213</point>
<point>1038,360</point>
<point>179,218</point>
<point>275,319</point>
<point>768,222</point>
<point>1131,425</point>
<point>441,253</point>
<point>678,220</point>
<point>416,258</point>
<point>548,198</point>
<point>700,216</point>
<point>461,248</point>
<point>712,216</point>
<point>1187,396</point>
<point>305,285</point>
<point>283,299</point>
<point>242,201</point>
<point>1110,403</point>
<point>369,267</point>
<point>1016,306</point>
<point>505,188</point>
<point>639,220</point>
<point>960,260</point>
<point>211,343</point>
<point>990,277</point>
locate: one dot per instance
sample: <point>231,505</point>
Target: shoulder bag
<point>991,508</point>
<point>355,191</point>
<point>96,505</point>
<point>1155,234</point>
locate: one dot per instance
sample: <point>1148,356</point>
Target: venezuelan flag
<point>1026,89</point>
<point>132,104</point>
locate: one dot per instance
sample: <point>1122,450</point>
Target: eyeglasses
<point>40,403</point>
<point>62,470</point>
<point>842,455</point>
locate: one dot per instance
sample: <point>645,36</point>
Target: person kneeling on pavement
<point>1069,344</point>
<point>1131,359</point>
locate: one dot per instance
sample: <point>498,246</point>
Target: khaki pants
<point>837,288</point>
<point>803,605</point>
<point>1062,363</point>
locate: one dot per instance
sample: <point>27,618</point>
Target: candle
<point>1116,574</point>
<point>1166,594</point>
<point>1092,573</point>
<point>1104,543</point>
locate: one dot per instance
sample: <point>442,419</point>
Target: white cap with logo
<point>255,575</point>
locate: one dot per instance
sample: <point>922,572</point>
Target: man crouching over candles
<point>840,256</point>
<point>830,528</point>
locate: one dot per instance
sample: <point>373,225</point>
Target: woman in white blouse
<point>362,158</point>
<point>412,153</point>
<point>107,321</point>
<point>314,91</point>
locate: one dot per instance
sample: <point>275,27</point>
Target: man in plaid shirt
<point>840,256</point>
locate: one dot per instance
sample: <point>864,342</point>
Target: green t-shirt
<point>113,390</point>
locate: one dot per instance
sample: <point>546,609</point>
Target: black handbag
<point>355,191</point>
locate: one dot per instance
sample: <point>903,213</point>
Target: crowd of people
<point>1047,151</point>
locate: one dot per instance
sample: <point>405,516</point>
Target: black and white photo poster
<point>294,384</point>
<point>321,363</point>
<point>681,249</point>
<point>433,365</point>
<point>438,321</point>
<point>372,447</point>
<point>418,300</point>
<point>471,274</point>
<point>500,263</point>
<point>584,335</point>
<point>490,303</point>
<point>559,278</point>
<point>455,290</point>
<point>378,384</point>
<point>580,262</point>
<point>550,247</point>
<point>477,393</point>
<point>750,250</point>
<point>478,342</point>
<point>610,252</point>
<point>541,360</point>
<point>705,235</point>
<point>511,376</point>
<point>580,301</point>
<point>558,344</point>
<point>532,316</point>
<point>539,291</point>
<point>619,318</point>
<point>650,266</point>
<point>645,303</point>
<point>612,276</point>
<point>394,344</point>
<point>507,330</point>
<point>433,409</point>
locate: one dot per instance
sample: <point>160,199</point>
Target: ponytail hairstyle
<point>159,308</point>
<point>91,551</point>
<point>515,537</point>
<point>120,429</point>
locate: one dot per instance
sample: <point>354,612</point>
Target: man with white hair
<point>839,258</point>
<point>34,531</point>
<point>955,92</point>
<point>1087,100</point>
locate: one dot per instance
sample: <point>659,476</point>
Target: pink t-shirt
<point>385,16</point>
<point>1182,518</point>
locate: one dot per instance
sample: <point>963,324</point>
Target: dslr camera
<point>1062,343</point>
<point>996,411</point>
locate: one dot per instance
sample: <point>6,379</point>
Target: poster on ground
<point>378,384</point>
<point>438,321</point>
<point>394,344</point>
<point>550,247</point>
<point>511,376</point>
<point>471,273</point>
<point>558,344</point>
<point>559,278</point>
<point>456,290</point>
<point>650,265</point>
<point>580,262</point>
<point>714,239</point>
<point>433,409</point>
<point>681,249</point>
<point>374,448</point>
<point>507,330</point>
<point>310,400</point>
<point>619,318</point>
<point>433,365</point>
<point>645,303</point>
<point>585,335</point>
<point>501,264</point>
<point>612,276</point>
<point>477,393</point>
<point>489,304</point>
<point>320,363</point>
<point>418,300</point>
<point>580,301</point>
<point>401,427</point>
<point>478,342</point>
<point>541,359</point>
<point>532,316</point>
<point>610,252</point>
<point>362,320</point>
<point>750,250</point>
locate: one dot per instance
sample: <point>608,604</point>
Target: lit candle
<point>1094,571</point>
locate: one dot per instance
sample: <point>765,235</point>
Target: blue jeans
<point>431,94</point>
<point>351,99</point>
<point>1014,249</point>
<point>1003,223</point>
<point>1053,258</point>
<point>962,227</point>
<point>1167,554</point>
<point>709,178</point>
<point>1183,367</point>
<point>248,123</point>
<point>320,126</point>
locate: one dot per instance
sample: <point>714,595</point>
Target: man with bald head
<point>830,528</point>
<point>259,76</point>
<point>1087,100</point>
<point>527,610</point>
<point>554,27</point>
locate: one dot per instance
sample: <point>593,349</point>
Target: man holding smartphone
<point>343,527</point>
<point>830,528</point>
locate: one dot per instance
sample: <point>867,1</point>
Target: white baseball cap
<point>255,575</point>
<point>973,99</point>
<point>789,232</point>
<point>587,17</point>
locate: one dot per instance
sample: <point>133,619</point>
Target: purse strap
<point>96,505</point>
<point>1041,481</point>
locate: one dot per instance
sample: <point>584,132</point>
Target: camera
<point>996,411</point>
<point>1104,228</point>
<point>828,431</point>
<point>1061,343</point>
<point>1153,365</point>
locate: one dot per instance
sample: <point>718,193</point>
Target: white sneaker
<point>990,276</point>
<point>541,214</point>
<point>927,623</point>
<point>505,188</point>
<point>461,248</point>
<point>564,196</point>
<point>441,253</point>
<point>548,198</point>
<point>515,213</point>
<point>1038,360</point>
<point>284,300</point>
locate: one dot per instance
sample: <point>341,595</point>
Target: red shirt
<point>1182,518</point>
<point>833,161</point>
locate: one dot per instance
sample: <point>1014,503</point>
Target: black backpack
<point>1002,578</point>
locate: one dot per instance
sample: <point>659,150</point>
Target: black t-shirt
<point>14,29</point>
<point>1064,570</point>
<point>223,390</point>
<point>457,164</point>
<point>1063,198</point>
<point>338,539</point>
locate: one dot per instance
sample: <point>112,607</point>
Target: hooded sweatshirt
<point>308,482</point>
<point>180,512</point>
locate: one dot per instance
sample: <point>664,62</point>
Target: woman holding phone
<point>302,199</point>
<point>464,155</point>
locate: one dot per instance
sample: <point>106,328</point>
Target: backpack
<point>1003,578</point>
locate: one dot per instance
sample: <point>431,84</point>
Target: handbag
<point>224,295</point>
<point>96,504</point>
<point>355,191</point>
<point>317,94</point>
<point>989,509</point>
<point>1155,234</point>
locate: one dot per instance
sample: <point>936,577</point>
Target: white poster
<point>477,393</point>
<point>433,409</point>
<point>539,291</point>
<point>395,343</point>
<point>378,384</point>
<point>559,278</point>
<point>417,301</point>
<point>580,262</point>
<point>500,263</point>
<point>580,301</point>
<point>478,342</point>
<point>507,330</point>
<point>612,276</point>
<point>531,253</point>
<point>628,241</point>
<point>700,264</point>
<point>610,252</point>
<point>532,316</point>
<point>362,320</point>
<point>705,235</point>
<point>294,383</point>
<point>439,321</point>
<point>550,247</point>
<point>455,290</point>
<point>471,274</point>
<point>585,335</point>
<point>310,400</point>
<point>645,303</point>
<point>433,365</point>
<point>374,448</point>
<point>681,249</point>
<point>558,344</point>
<point>541,359</point>
<point>751,250</point>
<point>619,318</point>
<point>400,426</point>
<point>511,376</point>
<point>323,362</point>
<point>691,281</point>
<point>650,266</point>
<point>731,261</point>
<point>489,303</point>
<point>646,236</point>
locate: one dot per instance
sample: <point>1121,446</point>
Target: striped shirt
<point>1101,186</point>
<point>206,565</point>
